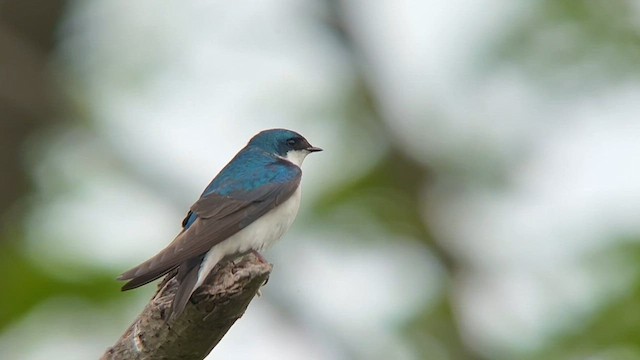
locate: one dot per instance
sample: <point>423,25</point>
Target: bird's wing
<point>218,217</point>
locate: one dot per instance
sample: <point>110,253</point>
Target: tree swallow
<point>249,205</point>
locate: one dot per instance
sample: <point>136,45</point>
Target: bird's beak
<point>313,149</point>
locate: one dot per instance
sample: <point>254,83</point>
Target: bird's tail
<point>187,278</point>
<point>191,275</point>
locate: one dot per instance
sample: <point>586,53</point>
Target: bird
<point>247,207</point>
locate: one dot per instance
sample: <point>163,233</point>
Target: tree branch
<point>213,308</point>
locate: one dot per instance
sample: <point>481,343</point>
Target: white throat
<point>296,156</point>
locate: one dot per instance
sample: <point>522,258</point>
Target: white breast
<point>259,235</point>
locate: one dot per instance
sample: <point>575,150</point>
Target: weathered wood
<point>212,310</point>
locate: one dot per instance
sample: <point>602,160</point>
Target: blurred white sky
<point>177,89</point>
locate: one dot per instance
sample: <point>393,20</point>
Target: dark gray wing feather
<point>219,217</point>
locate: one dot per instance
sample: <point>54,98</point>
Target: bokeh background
<point>478,196</point>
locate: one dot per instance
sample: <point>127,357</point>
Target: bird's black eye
<point>291,142</point>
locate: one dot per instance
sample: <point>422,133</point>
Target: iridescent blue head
<point>284,143</point>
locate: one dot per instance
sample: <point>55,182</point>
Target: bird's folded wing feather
<point>218,217</point>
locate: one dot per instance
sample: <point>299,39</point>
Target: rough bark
<point>212,310</point>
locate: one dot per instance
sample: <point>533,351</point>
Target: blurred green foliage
<point>31,285</point>
<point>557,40</point>
<point>612,330</point>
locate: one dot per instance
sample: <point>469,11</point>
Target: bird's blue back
<point>249,170</point>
